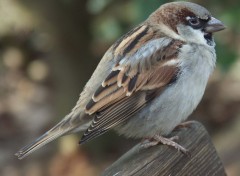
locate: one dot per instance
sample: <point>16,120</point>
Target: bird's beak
<point>214,25</point>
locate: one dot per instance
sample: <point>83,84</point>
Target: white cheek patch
<point>192,35</point>
<point>197,36</point>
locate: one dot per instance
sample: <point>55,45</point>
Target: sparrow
<point>148,82</point>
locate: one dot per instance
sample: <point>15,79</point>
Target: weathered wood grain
<point>164,160</point>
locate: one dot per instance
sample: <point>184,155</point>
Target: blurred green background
<point>48,50</point>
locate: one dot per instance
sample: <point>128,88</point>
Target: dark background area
<point>48,50</point>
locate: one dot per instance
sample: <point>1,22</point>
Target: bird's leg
<point>157,139</point>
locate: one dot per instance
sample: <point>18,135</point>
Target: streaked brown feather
<point>111,78</point>
<point>93,107</point>
<point>132,85</point>
<point>126,40</point>
<point>120,76</point>
<point>159,77</point>
<point>125,79</point>
<point>104,91</point>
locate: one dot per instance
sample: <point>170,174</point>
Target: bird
<point>148,82</point>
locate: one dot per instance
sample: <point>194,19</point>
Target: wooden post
<point>163,160</point>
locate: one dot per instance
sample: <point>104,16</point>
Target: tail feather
<point>41,141</point>
<point>49,136</point>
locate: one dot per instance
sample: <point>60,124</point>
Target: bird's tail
<point>58,130</point>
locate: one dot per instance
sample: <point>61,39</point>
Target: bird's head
<point>186,21</point>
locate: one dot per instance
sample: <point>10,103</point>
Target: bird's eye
<point>195,22</point>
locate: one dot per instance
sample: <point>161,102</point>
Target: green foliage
<point>145,8</point>
<point>226,56</point>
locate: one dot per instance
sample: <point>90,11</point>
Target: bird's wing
<point>137,77</point>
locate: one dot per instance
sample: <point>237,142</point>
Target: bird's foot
<point>157,139</point>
